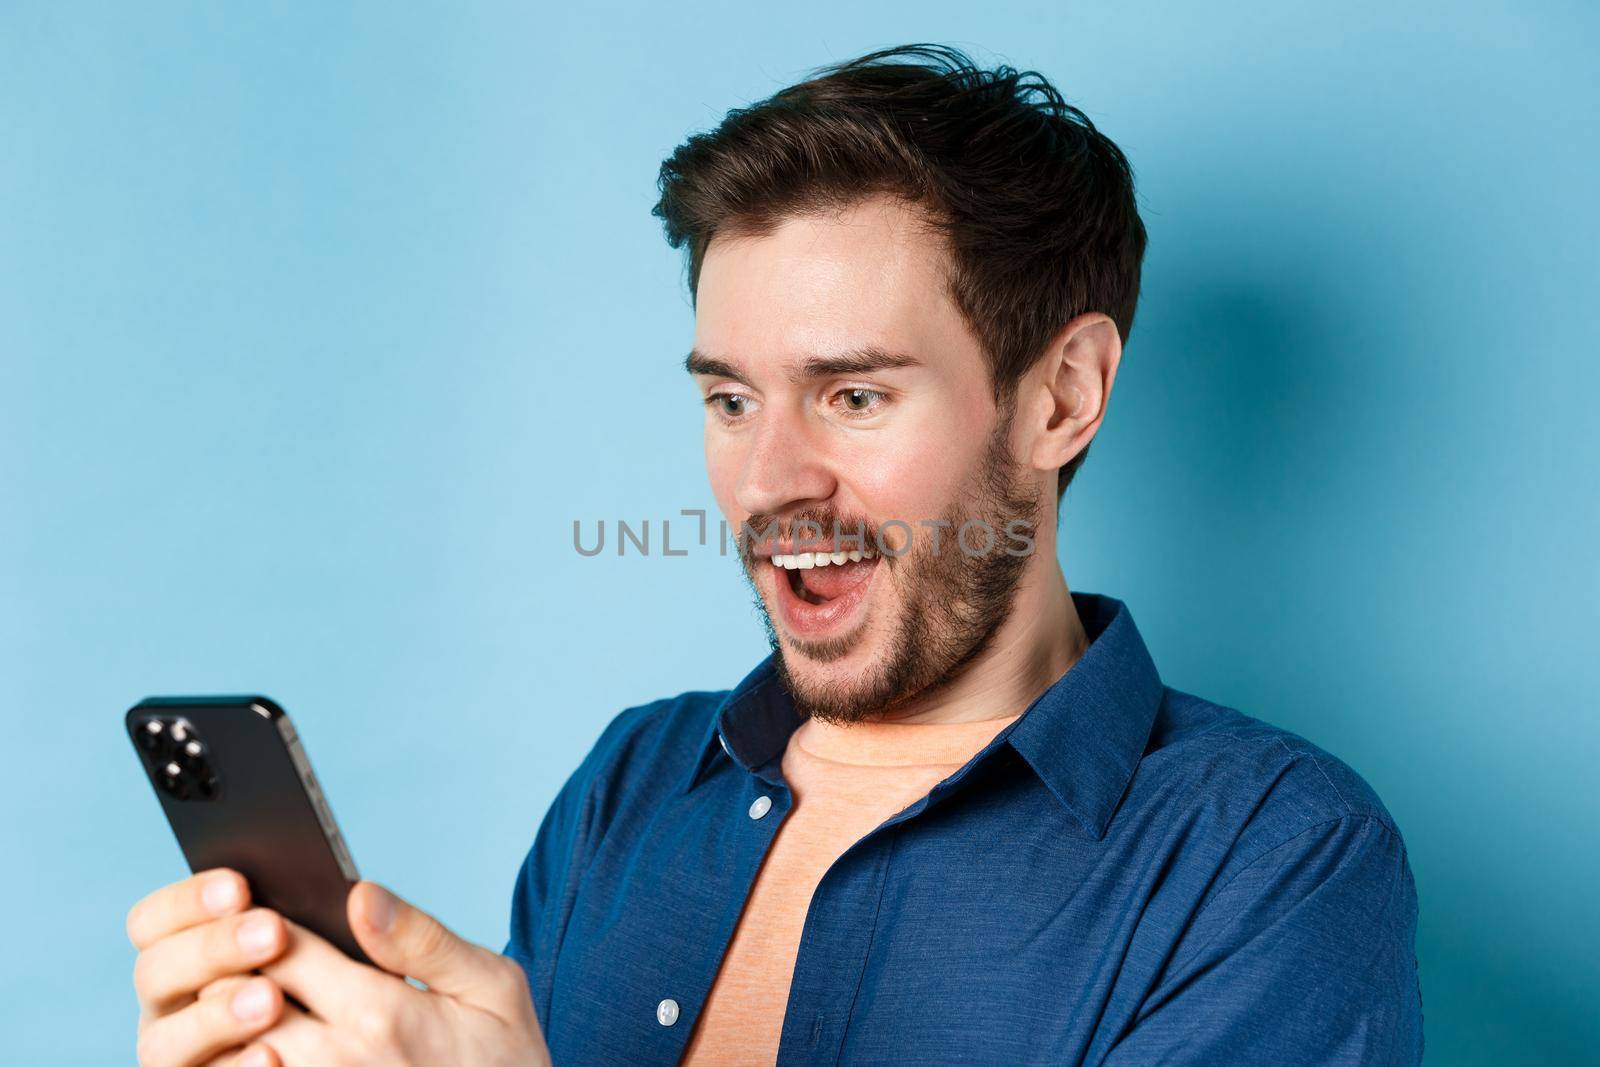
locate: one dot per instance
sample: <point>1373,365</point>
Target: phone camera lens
<point>151,733</point>
<point>177,759</point>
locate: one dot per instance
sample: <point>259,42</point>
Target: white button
<point>725,747</point>
<point>760,807</point>
<point>667,1012</point>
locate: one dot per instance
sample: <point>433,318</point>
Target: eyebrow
<point>863,360</point>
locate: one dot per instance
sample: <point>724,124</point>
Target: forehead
<point>872,274</point>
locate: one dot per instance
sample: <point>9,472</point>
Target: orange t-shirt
<point>846,780</point>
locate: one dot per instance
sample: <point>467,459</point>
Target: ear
<point>1065,395</point>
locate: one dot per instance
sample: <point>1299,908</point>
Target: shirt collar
<point>1084,736</point>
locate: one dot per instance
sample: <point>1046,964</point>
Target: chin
<point>810,663</point>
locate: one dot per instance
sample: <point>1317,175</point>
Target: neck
<point>1039,642</point>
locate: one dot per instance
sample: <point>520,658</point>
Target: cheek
<point>917,475</point>
<point>722,471</point>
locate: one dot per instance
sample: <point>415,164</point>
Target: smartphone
<point>237,788</point>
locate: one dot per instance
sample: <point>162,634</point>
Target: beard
<point>953,600</point>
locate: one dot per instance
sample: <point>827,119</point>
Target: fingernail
<point>380,909</point>
<point>252,1002</point>
<point>256,1057</point>
<point>219,894</point>
<point>256,935</point>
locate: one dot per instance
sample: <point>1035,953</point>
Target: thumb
<point>407,941</point>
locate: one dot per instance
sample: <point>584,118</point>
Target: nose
<point>784,469</point>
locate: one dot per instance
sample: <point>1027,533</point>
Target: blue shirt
<point>1126,874</point>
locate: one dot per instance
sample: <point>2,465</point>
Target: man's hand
<point>475,1010</point>
<point>197,946</point>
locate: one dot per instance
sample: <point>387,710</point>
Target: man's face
<point>846,395</point>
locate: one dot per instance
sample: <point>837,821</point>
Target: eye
<point>857,400</point>
<point>730,407</point>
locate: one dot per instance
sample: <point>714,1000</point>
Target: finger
<point>170,971</point>
<point>224,987</point>
<point>297,1040</point>
<point>210,1026</point>
<point>300,1040</point>
<point>197,899</point>
<point>257,1055</point>
<point>332,985</point>
<point>405,940</point>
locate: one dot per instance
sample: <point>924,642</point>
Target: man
<point>956,815</point>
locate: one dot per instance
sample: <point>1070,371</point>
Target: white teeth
<point>804,561</point>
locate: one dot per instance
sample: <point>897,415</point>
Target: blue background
<point>320,325</point>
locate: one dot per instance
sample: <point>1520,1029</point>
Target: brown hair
<point>1036,205</point>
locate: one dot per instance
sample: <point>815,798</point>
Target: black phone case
<point>238,791</point>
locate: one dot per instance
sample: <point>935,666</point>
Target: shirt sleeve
<point>1306,956</point>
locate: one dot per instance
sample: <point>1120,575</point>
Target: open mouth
<point>820,577</point>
